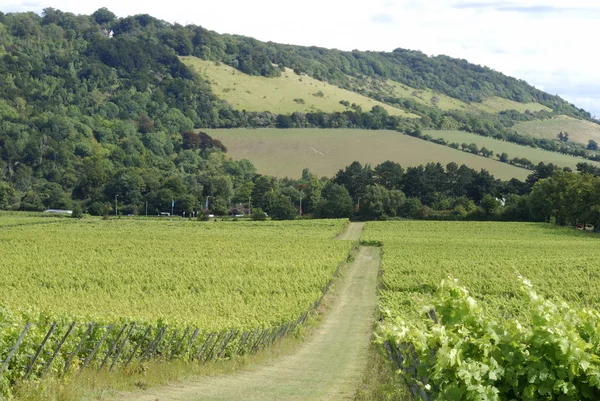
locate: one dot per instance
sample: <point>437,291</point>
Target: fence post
<point>112,348</point>
<point>39,351</point>
<point>98,344</point>
<point>230,339</point>
<point>122,347</point>
<point>204,346</point>
<point>218,340</point>
<point>159,337</point>
<point>76,351</point>
<point>176,349</point>
<point>12,352</point>
<point>138,346</point>
<point>191,341</point>
<point>62,341</point>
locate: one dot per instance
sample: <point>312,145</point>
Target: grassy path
<point>328,366</point>
<point>352,232</point>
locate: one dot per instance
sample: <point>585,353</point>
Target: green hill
<point>85,116</point>
<point>285,94</point>
<point>285,153</point>
<point>580,131</point>
<point>512,149</point>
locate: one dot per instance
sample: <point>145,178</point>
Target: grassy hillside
<point>285,94</point>
<point>427,97</point>
<point>514,150</point>
<point>579,130</point>
<point>286,152</point>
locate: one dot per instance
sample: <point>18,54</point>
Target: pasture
<point>512,149</point>
<point>282,95</point>
<point>578,130</point>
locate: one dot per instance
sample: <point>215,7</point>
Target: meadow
<point>283,95</point>
<point>285,153</point>
<point>512,149</point>
<point>578,130</point>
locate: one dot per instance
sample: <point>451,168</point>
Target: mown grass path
<point>327,366</point>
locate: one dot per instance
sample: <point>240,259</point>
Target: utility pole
<point>146,208</point>
<point>116,196</point>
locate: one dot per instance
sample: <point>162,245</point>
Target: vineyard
<point>103,292</point>
<point>491,311</point>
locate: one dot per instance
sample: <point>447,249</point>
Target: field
<point>430,98</point>
<point>512,149</point>
<point>283,95</point>
<point>284,153</point>
<point>209,275</point>
<point>460,322</point>
<point>579,131</point>
<point>199,290</point>
<point>486,258</point>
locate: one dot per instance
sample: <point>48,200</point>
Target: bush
<point>77,211</point>
<point>258,214</point>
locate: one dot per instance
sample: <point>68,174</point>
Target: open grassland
<point>286,152</point>
<point>217,275</point>
<point>578,130</point>
<point>486,258</point>
<point>283,95</point>
<point>431,98</point>
<point>512,149</point>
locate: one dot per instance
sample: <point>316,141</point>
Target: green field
<point>285,153</point>
<point>431,98</point>
<point>244,282</point>
<point>283,95</point>
<point>486,258</point>
<point>512,149</point>
<point>209,275</point>
<point>579,130</point>
<point>491,311</point>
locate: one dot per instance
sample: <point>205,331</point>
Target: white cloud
<point>549,43</point>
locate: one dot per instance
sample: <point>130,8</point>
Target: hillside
<point>285,153</point>
<point>86,116</point>
<point>580,131</point>
<point>285,94</point>
<point>512,149</point>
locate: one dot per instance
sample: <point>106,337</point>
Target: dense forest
<point>97,108</point>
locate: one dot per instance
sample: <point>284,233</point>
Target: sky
<point>552,44</point>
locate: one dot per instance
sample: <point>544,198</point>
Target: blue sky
<point>552,44</point>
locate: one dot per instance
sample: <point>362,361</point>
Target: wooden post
<point>112,348</point>
<point>122,347</point>
<point>76,351</point>
<point>39,351</point>
<point>175,350</point>
<point>98,344</point>
<point>204,346</point>
<point>14,349</point>
<point>138,345</point>
<point>62,341</point>
<point>191,341</point>
<point>162,332</point>
<point>230,339</point>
